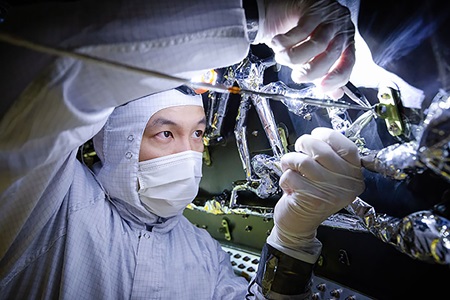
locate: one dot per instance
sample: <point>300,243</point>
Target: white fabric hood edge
<point>118,144</point>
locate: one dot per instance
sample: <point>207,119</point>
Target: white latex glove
<point>313,37</point>
<point>320,179</point>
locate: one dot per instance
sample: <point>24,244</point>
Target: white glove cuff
<point>308,252</point>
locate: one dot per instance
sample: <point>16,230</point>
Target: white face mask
<point>167,184</point>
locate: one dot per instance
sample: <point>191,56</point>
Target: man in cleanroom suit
<point>118,232</point>
<point>137,242</point>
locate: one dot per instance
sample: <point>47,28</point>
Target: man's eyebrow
<point>164,121</point>
<point>161,122</point>
<point>202,121</point>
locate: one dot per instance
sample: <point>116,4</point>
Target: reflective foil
<point>261,175</point>
<point>250,75</point>
<point>433,149</point>
<point>396,161</point>
<point>269,171</point>
<point>297,107</point>
<point>339,118</point>
<point>216,113</point>
<point>345,221</point>
<point>216,109</point>
<point>268,122</point>
<point>421,235</point>
<point>240,132</point>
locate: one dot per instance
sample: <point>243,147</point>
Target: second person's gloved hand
<point>322,177</point>
<point>313,37</point>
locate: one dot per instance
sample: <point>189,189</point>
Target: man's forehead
<point>178,115</point>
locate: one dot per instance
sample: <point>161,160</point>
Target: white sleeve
<point>70,100</point>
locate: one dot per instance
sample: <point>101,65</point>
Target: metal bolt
<point>321,287</point>
<point>385,96</point>
<point>336,293</point>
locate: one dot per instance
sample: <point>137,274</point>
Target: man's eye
<point>198,133</point>
<point>165,134</point>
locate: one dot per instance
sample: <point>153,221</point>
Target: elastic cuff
<point>283,274</point>
<point>309,252</point>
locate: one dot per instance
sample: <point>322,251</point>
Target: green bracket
<point>225,229</point>
<point>388,110</point>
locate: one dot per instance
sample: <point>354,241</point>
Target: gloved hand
<point>313,37</point>
<point>322,177</point>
